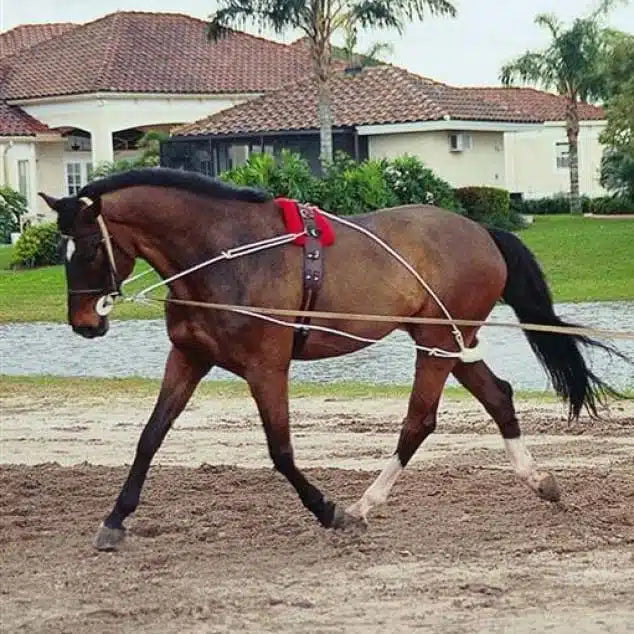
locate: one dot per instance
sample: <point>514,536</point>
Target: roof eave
<point>447,124</point>
<point>256,133</point>
<point>117,94</point>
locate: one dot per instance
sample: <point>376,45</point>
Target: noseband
<point>107,295</point>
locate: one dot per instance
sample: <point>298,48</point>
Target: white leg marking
<point>378,491</point>
<point>542,483</point>
<point>520,457</point>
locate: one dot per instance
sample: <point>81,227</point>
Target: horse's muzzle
<point>91,332</point>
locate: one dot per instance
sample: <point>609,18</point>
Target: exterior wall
<point>50,175</point>
<point>45,170</point>
<point>482,164</point>
<point>13,151</point>
<point>531,161</point>
<point>101,115</point>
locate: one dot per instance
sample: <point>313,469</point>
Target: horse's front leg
<point>270,391</point>
<point>182,375</point>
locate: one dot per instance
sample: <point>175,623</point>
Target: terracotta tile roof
<point>545,105</point>
<point>152,52</point>
<point>15,122</point>
<point>24,36</point>
<point>377,95</point>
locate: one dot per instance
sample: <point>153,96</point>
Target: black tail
<point>527,293</point>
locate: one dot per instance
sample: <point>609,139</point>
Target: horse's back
<point>443,238</point>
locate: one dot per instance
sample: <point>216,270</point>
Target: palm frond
<point>397,14</point>
<point>529,68</point>
<point>549,21</point>
<point>278,15</point>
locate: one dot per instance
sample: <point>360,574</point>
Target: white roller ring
<point>104,305</point>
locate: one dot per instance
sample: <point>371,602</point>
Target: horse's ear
<point>49,200</point>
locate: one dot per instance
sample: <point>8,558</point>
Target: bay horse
<point>174,220</point>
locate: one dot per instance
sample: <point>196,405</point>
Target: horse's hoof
<point>342,520</point>
<point>547,488</point>
<point>108,539</point>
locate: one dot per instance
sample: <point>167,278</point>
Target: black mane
<point>167,177</point>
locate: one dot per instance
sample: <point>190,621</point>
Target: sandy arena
<point>221,543</point>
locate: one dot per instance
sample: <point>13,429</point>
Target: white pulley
<point>104,305</point>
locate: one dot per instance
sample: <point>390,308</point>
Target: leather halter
<point>114,289</point>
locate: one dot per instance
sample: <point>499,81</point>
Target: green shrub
<point>610,205</point>
<point>413,183</point>
<point>349,187</point>
<point>286,175</point>
<point>559,204</point>
<point>617,172</point>
<point>256,172</point>
<point>37,246</point>
<point>150,146</point>
<point>484,203</point>
<point>551,205</point>
<point>12,208</point>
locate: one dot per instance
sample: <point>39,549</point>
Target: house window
<point>23,178</point>
<point>459,141</point>
<point>73,178</point>
<point>88,172</point>
<point>562,155</point>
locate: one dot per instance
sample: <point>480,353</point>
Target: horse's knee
<point>506,388</point>
<point>429,423</point>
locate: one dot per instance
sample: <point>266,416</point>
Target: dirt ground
<point>221,543</point>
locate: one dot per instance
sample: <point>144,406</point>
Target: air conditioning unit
<point>459,141</point>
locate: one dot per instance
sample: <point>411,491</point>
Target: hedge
<point>37,246</point>
<point>560,204</point>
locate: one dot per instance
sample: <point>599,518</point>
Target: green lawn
<point>68,388</point>
<point>6,252</point>
<point>40,295</point>
<point>585,259</point>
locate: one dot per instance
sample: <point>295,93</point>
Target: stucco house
<point>74,95</point>
<point>506,137</point>
<point>89,91</point>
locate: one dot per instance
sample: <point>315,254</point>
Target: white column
<point>32,179</point>
<point>509,148</point>
<point>102,147</point>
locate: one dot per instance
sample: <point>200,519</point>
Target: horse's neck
<point>174,236</point>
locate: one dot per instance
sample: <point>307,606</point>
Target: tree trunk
<point>572,129</point>
<point>321,58</point>
<point>325,124</point>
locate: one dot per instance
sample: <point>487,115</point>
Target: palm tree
<point>319,20</point>
<point>349,49</point>
<point>572,64</point>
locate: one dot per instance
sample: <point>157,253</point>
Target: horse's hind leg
<point>496,396</point>
<point>420,422</point>
<point>182,375</point>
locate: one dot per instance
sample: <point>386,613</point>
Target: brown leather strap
<point>312,275</point>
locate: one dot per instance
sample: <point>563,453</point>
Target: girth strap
<point>312,274</point>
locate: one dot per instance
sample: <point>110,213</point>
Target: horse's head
<point>95,264</point>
